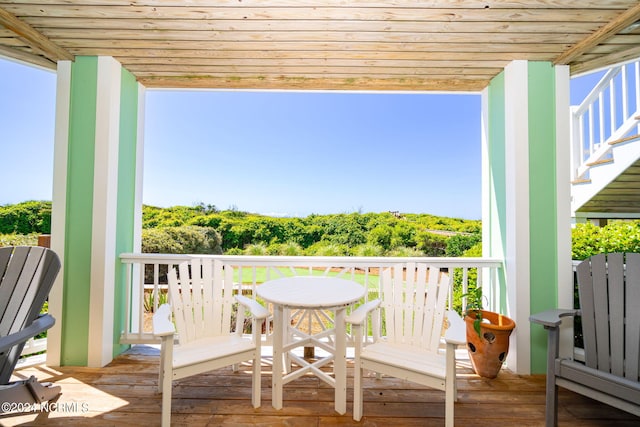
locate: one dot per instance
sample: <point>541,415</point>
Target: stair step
<point>600,162</point>
<point>625,139</point>
<point>581,181</point>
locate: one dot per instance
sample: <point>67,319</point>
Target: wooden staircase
<point>606,147</point>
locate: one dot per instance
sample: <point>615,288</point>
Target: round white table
<point>310,293</point>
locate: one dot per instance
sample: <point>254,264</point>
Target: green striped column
<point>526,198</point>
<point>95,205</point>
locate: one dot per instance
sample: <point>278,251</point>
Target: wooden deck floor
<point>124,393</point>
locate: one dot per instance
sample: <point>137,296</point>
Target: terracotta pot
<point>488,350</point>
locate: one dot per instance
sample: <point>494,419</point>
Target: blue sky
<point>275,153</point>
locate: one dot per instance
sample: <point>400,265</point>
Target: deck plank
<point>124,394</point>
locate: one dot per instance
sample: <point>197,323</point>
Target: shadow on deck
<point>124,393</point>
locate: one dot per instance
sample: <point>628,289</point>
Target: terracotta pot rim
<point>507,323</point>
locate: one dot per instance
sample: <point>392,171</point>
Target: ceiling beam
<point>34,38</point>
<point>471,85</point>
<point>597,62</point>
<point>605,32</point>
<point>28,58</point>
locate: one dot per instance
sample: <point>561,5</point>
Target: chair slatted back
<point>414,304</point>
<point>202,298</point>
<point>609,290</point>
<point>26,276</point>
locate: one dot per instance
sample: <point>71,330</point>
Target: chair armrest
<point>40,324</point>
<point>162,324</point>
<point>552,318</point>
<point>257,311</point>
<point>456,332</point>
<point>358,315</point>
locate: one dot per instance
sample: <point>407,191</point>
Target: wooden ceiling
<point>430,45</point>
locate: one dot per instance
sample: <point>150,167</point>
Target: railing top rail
<point>595,92</point>
<point>253,260</point>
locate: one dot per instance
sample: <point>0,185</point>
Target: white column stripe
<point>517,257</point>
<point>59,203</point>
<point>105,203</point>
<point>563,200</point>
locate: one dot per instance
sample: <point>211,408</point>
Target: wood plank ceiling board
<point>412,45</point>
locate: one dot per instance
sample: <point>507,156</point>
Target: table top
<point>311,292</point>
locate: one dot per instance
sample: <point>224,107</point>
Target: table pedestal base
<point>282,359</point>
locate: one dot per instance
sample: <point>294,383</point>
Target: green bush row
<point>236,232</point>
<point>204,229</point>
<point>14,239</point>
<point>336,234</point>
<point>617,236</point>
<point>26,218</point>
<point>181,240</point>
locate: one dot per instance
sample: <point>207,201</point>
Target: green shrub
<point>256,249</point>
<point>368,250</point>
<point>26,218</point>
<point>234,251</point>
<point>158,241</point>
<point>404,235</point>
<point>619,236</point>
<point>181,240</point>
<point>19,239</point>
<point>432,244</point>
<point>285,249</point>
<point>149,300</point>
<point>472,278</point>
<point>327,249</point>
<point>291,249</point>
<point>459,243</point>
<point>380,236</point>
<point>403,251</point>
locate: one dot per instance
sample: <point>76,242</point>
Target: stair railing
<point>607,115</point>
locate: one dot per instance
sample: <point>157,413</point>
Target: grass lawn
<point>261,275</point>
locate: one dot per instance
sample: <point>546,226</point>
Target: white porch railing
<point>33,346</point>
<point>146,278</point>
<point>608,114</point>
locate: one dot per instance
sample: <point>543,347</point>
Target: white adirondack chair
<point>202,301</point>
<point>413,311</point>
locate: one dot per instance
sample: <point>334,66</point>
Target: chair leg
<point>287,337</point>
<point>166,348</point>
<point>161,373</point>
<point>551,413</point>
<point>450,391</point>
<point>166,379</point>
<point>166,400</point>
<point>357,393</point>
<point>256,398</point>
<point>449,401</point>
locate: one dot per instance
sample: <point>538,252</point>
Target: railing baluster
<point>636,67</point>
<point>465,285</point>
<point>128,295</point>
<point>480,284</point>
<point>581,146</point>
<point>612,106</point>
<point>139,304</point>
<point>625,97</point>
<point>601,126</point>
<point>592,145</point>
